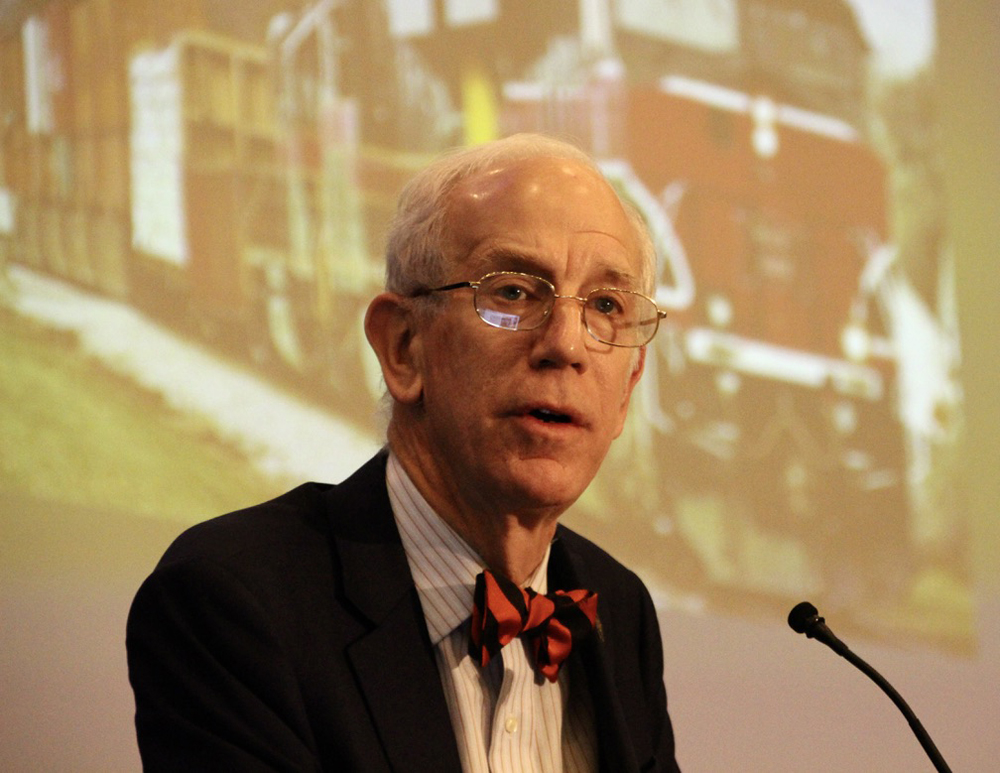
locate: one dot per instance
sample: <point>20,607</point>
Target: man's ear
<point>637,367</point>
<point>390,326</point>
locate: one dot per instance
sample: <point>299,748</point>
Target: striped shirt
<point>506,718</point>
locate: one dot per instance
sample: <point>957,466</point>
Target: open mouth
<point>551,417</point>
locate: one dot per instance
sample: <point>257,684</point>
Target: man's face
<point>515,421</point>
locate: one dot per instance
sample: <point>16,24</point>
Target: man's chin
<point>544,483</point>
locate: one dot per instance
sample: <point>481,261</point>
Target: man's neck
<point>509,548</point>
<point>510,543</point>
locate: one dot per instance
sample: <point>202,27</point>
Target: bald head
<point>420,248</point>
<point>518,203</point>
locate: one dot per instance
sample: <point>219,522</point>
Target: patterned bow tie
<point>502,611</point>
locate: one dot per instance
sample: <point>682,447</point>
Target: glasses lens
<point>513,301</point>
<point>620,317</point>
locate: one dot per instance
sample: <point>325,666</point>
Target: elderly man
<point>429,613</point>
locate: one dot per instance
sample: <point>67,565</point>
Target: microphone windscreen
<point>801,616</point>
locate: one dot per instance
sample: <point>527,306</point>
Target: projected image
<point>227,170</point>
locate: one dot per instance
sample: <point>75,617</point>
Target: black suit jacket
<point>289,636</point>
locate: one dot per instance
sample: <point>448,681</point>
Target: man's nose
<point>562,339</point>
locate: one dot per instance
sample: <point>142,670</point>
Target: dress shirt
<point>507,718</point>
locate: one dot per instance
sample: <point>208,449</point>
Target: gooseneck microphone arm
<point>805,618</point>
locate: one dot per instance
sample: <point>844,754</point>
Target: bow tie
<point>502,611</point>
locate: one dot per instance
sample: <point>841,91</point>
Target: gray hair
<point>415,256</point>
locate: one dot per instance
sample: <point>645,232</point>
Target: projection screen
<point>193,198</point>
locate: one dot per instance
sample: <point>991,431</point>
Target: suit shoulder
<point>296,516</point>
<point>300,520</point>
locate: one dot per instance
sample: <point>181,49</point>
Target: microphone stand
<point>804,618</point>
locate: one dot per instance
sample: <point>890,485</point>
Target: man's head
<point>489,419</point>
<point>415,256</point>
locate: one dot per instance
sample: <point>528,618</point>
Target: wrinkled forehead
<point>522,200</point>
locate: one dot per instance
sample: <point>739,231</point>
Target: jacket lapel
<point>394,662</point>
<point>596,653</point>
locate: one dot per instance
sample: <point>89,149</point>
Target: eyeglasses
<point>515,301</point>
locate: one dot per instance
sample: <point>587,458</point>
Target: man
<point>330,628</point>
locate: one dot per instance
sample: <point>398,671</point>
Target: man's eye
<point>606,304</point>
<point>511,293</point>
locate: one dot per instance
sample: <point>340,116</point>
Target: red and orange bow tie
<point>501,611</point>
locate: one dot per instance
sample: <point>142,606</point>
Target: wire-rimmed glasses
<point>510,300</point>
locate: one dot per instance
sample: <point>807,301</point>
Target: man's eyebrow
<point>618,278</point>
<point>505,259</point>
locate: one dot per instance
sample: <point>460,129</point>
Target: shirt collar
<point>443,565</point>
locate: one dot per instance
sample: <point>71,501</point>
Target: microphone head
<point>803,616</point>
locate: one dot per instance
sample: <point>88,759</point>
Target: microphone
<point>805,618</point>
